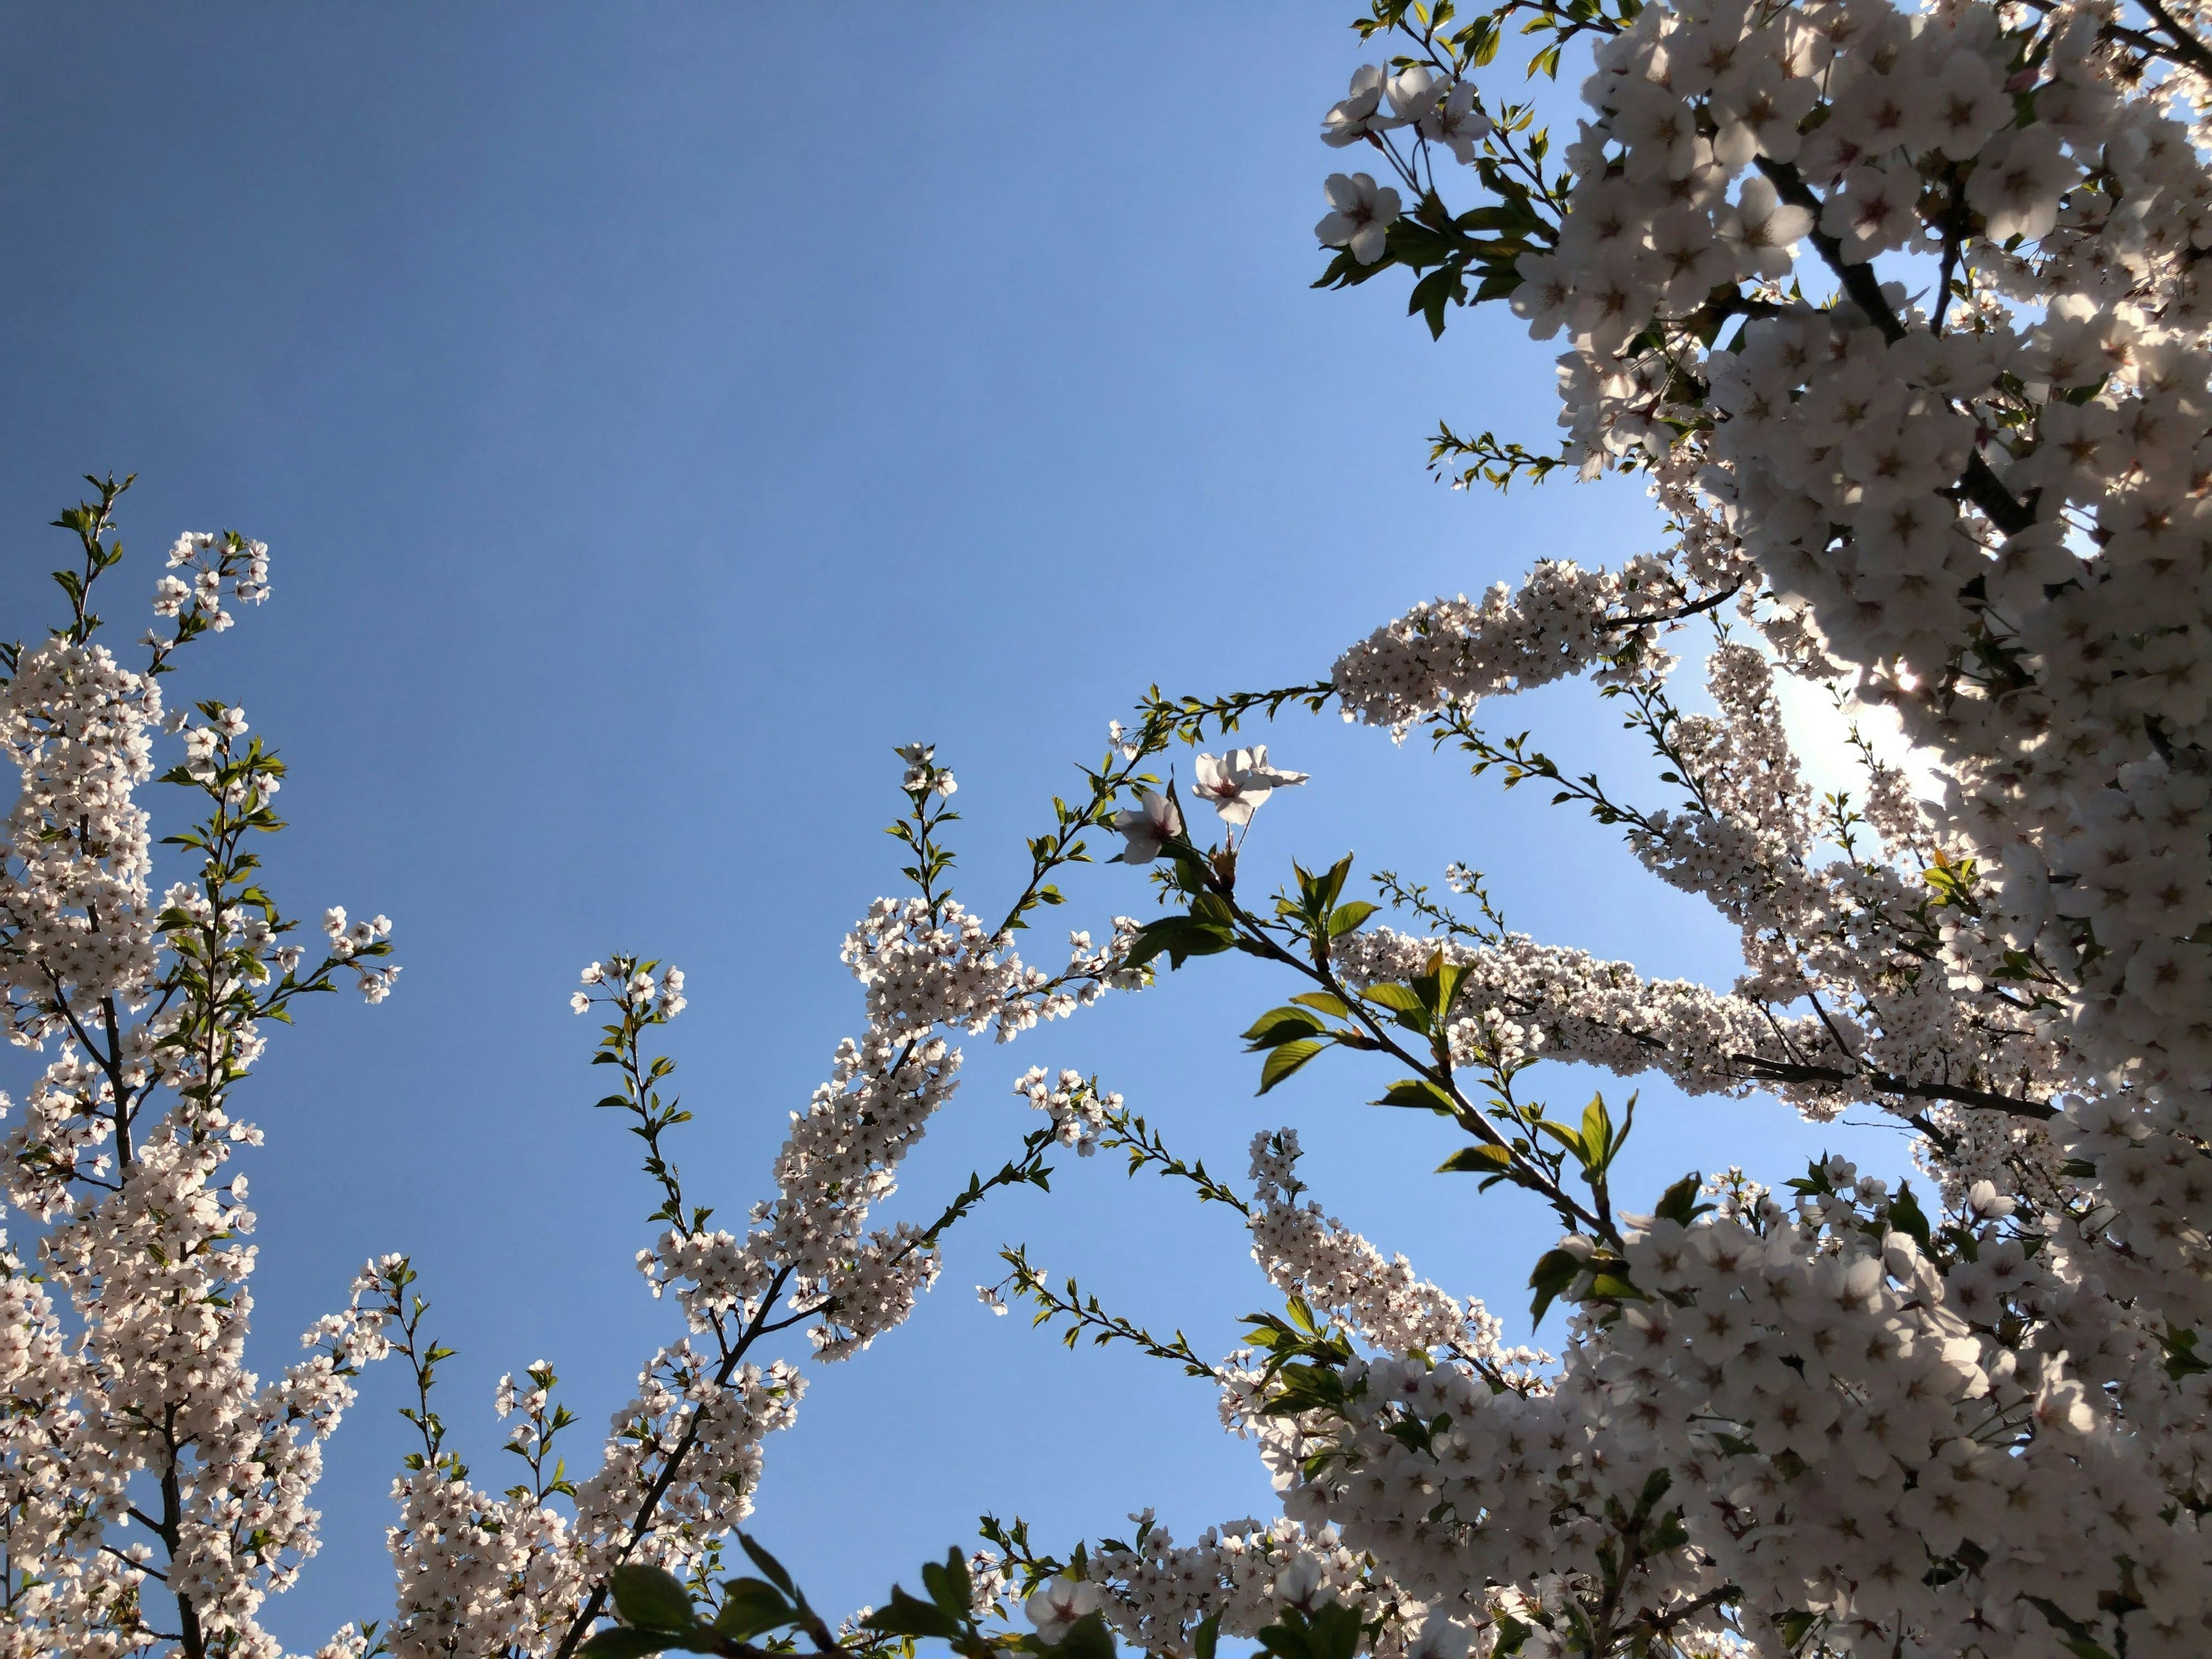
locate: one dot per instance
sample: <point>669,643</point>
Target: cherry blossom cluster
<point>78,727</point>
<point>217,567</point>
<point>924,967</point>
<point>1563,620</point>
<point>1339,1274</point>
<point>1079,1112</point>
<point>1821,1406</point>
<point>1902,319</point>
<point>1155,1591</point>
<point>154,1487</point>
<point>1901,316</point>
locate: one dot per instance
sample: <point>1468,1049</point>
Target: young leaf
<point>949,1593</point>
<point>1332,886</point>
<point>1347,918</point>
<point>1905,1215</point>
<point>1554,1271</point>
<point>909,1615</point>
<point>1419,1091</point>
<point>770,1566</point>
<point>1483,1159</point>
<point>750,1606</point>
<point>621,1642</point>
<point>1566,1138</point>
<point>1279,1025</point>
<point>1086,1638</point>
<point>1404,1003</point>
<point>1597,1133</point>
<point>1286,1059</point>
<point>652,1598</point>
<point>1679,1203</point>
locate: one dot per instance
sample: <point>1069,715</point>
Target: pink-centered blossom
<point>1146,828</point>
<point>1239,782</point>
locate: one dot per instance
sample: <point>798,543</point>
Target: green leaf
<point>1399,998</point>
<point>908,1615</point>
<point>620,1642</point>
<point>1566,1138</point>
<point>1477,1160</point>
<point>768,1565</point>
<point>1205,1636</point>
<point>1430,296</point>
<point>652,1598</point>
<point>1905,1215</point>
<point>1554,1271</point>
<point>1679,1203</point>
<point>1511,1633</point>
<point>1333,884</point>
<point>1286,1059</point>
<point>1597,1133</point>
<point>1181,938</point>
<point>1404,1003</point>
<point>1347,918</point>
<point>1322,1003</point>
<point>1279,1025</point>
<point>1445,977</point>
<point>1331,1631</point>
<point>948,1586</point>
<point>750,1605</point>
<point>1419,1091</point>
<point>1086,1638</point>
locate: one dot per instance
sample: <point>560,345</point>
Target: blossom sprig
<point>158,1009</point>
<point>643,995</point>
<point>959,1607</point>
<point>683,1459</point>
<point>1085,1315</point>
<point>1304,934</point>
<point>1902,320</point>
<point>215,568</point>
<point>1235,785</point>
<point>928,787</point>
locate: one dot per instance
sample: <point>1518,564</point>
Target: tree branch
<point>1864,289</point>
<point>1882,1083</point>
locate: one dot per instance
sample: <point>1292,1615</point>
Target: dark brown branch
<point>2193,52</point>
<point>1864,289</point>
<point>671,1462</point>
<point>1713,602</point>
<point>1882,1083</point>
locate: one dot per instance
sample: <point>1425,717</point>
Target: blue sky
<point>658,413</point>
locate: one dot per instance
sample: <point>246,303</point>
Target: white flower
<point>1456,123</point>
<point>1440,1639</point>
<point>1239,782</point>
<point>1154,822</point>
<point>1299,1584</point>
<point>1412,92</point>
<point>1762,228</point>
<point>1354,117</point>
<point>1058,1604</point>
<point>1359,216</point>
<point>2017,181</point>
